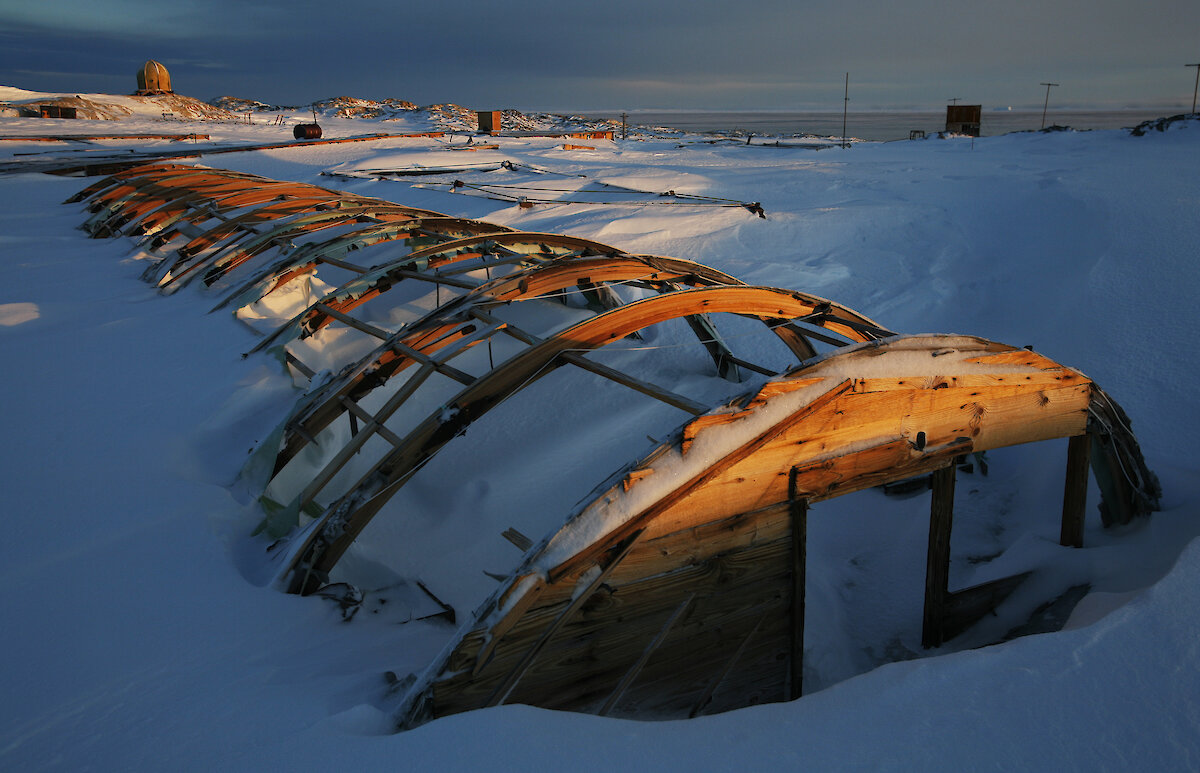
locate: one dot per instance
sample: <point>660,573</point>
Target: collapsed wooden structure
<point>677,585</point>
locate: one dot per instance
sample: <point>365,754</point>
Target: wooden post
<point>1075,491</point>
<point>937,566</point>
<point>799,516</point>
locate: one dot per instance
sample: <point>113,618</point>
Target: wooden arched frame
<point>458,319</point>
<point>423,263</point>
<point>325,541</point>
<point>723,545</point>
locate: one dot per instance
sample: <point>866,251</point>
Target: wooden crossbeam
<point>357,324</point>
<point>518,257</point>
<point>357,410</point>
<point>751,366</point>
<point>342,264</point>
<point>441,367</point>
<point>658,393</point>
<point>624,379</point>
<point>439,278</point>
<point>372,425</point>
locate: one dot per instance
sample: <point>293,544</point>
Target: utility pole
<point>954,100</point>
<point>623,117</point>
<point>845,105</point>
<point>1047,102</point>
<point>1197,86</point>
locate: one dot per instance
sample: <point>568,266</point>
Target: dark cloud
<point>620,53</point>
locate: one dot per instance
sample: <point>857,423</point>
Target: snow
<point>139,632</point>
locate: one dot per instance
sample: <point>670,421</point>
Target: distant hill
<point>110,107</point>
<point>446,117</point>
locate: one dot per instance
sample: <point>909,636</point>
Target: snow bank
<point>132,640</point>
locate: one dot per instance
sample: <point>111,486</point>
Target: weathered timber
<point>963,608</point>
<point>651,648</point>
<point>937,563</point>
<point>799,521</point>
<point>1075,491</point>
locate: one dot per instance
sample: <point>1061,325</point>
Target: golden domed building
<point>153,78</point>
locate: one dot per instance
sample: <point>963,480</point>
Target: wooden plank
<point>505,624</point>
<point>773,389</point>
<point>342,264</point>
<point>964,608</point>
<point>701,423</point>
<point>723,674</point>
<point>937,560</point>
<point>610,632</point>
<point>600,646</point>
<point>1045,378</point>
<point>742,452</point>
<point>519,540</point>
<point>1019,357</point>
<point>680,674</point>
<point>1075,491</point>
<point>873,466</point>
<point>510,681</point>
<point>651,648</point>
<point>633,476</point>
<point>991,417</point>
<point>694,545</point>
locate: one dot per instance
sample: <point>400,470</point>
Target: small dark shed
<point>963,119</point>
<point>489,121</point>
<point>153,78</point>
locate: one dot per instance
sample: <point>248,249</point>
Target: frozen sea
<point>882,125</point>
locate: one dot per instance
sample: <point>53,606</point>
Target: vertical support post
<point>799,517</point>
<point>1046,104</point>
<point>937,562</point>
<point>845,107</point>
<point>1075,491</point>
<point>1196,87</point>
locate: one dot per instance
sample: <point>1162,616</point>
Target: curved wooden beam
<point>438,329</point>
<point>344,520</point>
<point>830,433</point>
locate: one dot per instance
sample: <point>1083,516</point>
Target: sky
<point>619,54</point>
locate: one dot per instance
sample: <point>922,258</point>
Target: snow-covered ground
<point>134,640</point>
